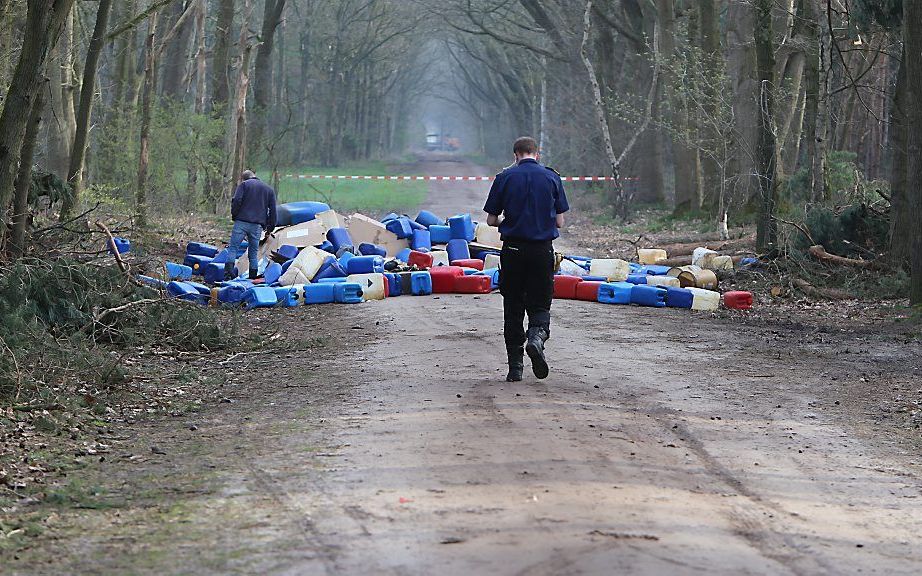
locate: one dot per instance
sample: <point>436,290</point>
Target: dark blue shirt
<point>254,202</point>
<point>530,196</point>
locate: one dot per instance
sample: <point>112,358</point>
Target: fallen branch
<point>38,407</point>
<point>825,293</point>
<point>819,252</point>
<point>803,229</point>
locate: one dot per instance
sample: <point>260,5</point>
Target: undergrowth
<point>60,336</point>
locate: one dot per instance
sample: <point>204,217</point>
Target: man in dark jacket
<point>253,210</point>
<point>532,201</point>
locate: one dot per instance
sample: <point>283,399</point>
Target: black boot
<point>253,275</point>
<point>228,271</point>
<point>535,348</point>
<point>516,364</point>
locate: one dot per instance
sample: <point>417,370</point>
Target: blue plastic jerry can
<point>213,272</point>
<point>322,293</point>
<point>421,283</point>
<point>337,280</point>
<point>458,250</point>
<point>184,291</point>
<point>392,216</point>
<point>401,227</point>
<point>232,292</point>
<point>153,282</point>
<point>422,240</point>
<point>327,246</point>
<point>272,273</point>
<point>462,227</point>
<point>595,279</point>
<point>634,267</point>
<point>656,270</point>
<point>201,249</point>
<point>223,256</point>
<point>202,289</point>
<point>120,245</point>
<point>339,238</point>
<point>287,251</point>
<point>493,273</point>
<point>348,293</point>
<point>344,259</point>
<point>404,255</point>
<point>331,269</point>
<point>176,271</point>
<point>196,262</point>
<point>260,297</point>
<point>637,278</point>
<point>643,295</point>
<point>367,249</point>
<point>679,297</point>
<point>394,287</point>
<point>364,264</point>
<point>616,293</point>
<point>427,218</point>
<point>439,234</point>
<point>288,297</point>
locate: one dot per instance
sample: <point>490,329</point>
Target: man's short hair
<point>525,146</point>
<point>248,175</point>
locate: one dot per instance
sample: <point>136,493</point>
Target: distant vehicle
<point>437,143</point>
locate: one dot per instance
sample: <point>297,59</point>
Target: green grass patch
<point>373,197</point>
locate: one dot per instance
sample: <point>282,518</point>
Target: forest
<point>737,111</point>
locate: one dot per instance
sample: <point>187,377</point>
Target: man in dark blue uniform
<point>531,200</point>
<point>253,210</point>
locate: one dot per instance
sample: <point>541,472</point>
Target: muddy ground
<point>381,439</point>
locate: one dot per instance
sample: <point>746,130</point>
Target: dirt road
<point>664,442</point>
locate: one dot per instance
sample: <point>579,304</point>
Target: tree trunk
<point>262,74</point>
<point>900,223</point>
<point>912,40</point>
<point>812,93</point>
<point>765,64</point>
<point>710,51</point>
<point>147,96</point>
<point>220,64</point>
<point>87,93</point>
<point>60,131</point>
<point>176,57</point>
<point>687,165</point>
<point>745,85</point>
<point>124,80</point>
<point>44,21</point>
<point>237,128</point>
<point>24,178</point>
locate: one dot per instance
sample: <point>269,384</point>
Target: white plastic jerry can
<point>704,299</point>
<point>440,258</point>
<point>663,281</point>
<point>304,267</point>
<point>492,261</point>
<point>613,269</point>
<point>650,255</point>
<point>488,235</point>
<point>372,285</point>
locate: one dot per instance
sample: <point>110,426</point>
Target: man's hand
<point>560,221</point>
<point>493,220</point>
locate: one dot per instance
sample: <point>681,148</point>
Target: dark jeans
<point>526,282</point>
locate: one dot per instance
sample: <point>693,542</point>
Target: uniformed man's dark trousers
<point>527,285</point>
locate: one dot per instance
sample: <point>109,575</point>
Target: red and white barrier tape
<point>439,178</point>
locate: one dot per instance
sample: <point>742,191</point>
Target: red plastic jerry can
<point>738,300</point>
<point>473,284</point>
<point>443,278</point>
<point>474,263</point>
<point>420,259</point>
<point>588,291</point>
<point>565,286</point>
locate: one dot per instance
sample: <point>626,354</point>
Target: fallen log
<point>824,293</point>
<point>687,259</point>
<point>819,252</point>
<point>720,246</point>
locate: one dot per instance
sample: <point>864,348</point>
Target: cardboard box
<point>365,229</point>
